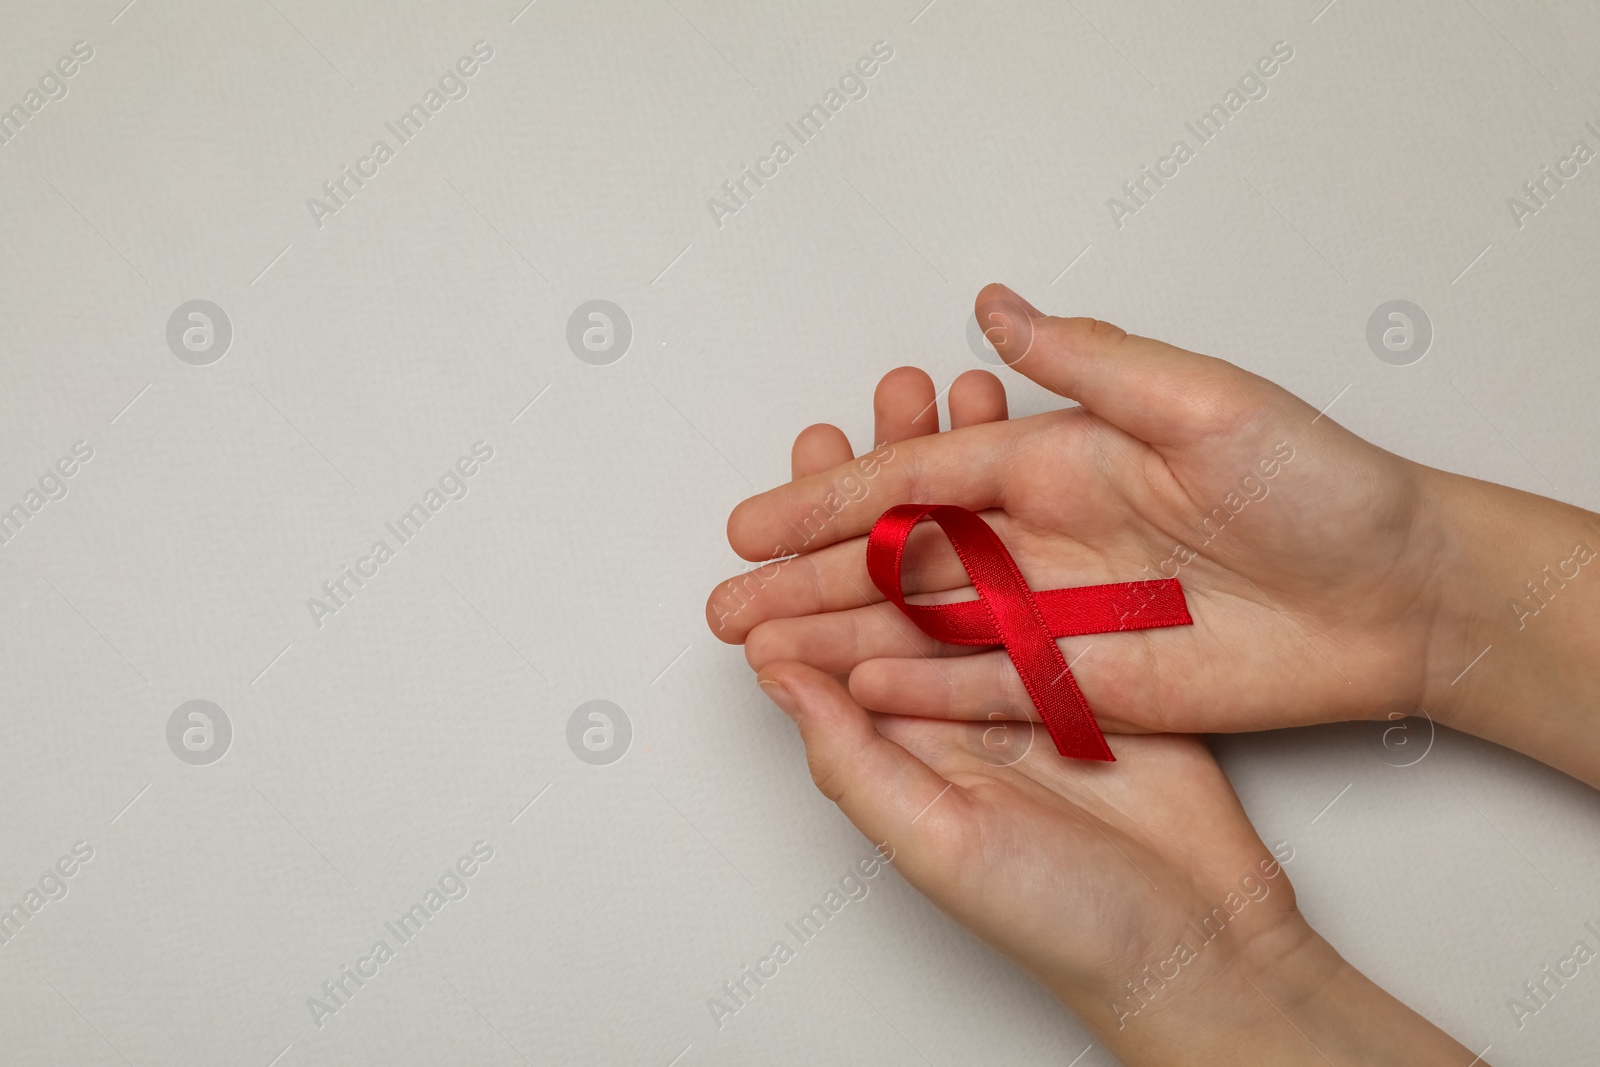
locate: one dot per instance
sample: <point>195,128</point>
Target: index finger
<point>964,467</point>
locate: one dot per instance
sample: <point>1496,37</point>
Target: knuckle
<point>856,635</point>
<point>1102,331</point>
<point>1081,332</point>
<point>1217,400</point>
<point>763,645</point>
<point>816,591</point>
<point>830,781</point>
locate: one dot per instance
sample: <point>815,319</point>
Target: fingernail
<point>781,697</point>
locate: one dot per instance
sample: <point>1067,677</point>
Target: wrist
<point>1517,625</point>
<point>1277,994</point>
<point>1196,1005</point>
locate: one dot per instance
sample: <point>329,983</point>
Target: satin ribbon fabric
<point>1026,622</point>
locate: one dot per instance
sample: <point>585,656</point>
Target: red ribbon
<point>1027,623</point>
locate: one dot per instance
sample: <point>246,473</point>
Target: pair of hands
<point>1328,580</point>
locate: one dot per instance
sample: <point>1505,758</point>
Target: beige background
<point>370,353</point>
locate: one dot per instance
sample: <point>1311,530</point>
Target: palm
<point>1104,867</point>
<point>1305,554</point>
<point>1082,873</point>
<point>1311,595</point>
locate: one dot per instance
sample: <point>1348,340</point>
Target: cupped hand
<point>1137,891</point>
<point>1083,873</point>
<point>1309,557</point>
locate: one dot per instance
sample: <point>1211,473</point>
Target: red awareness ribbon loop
<point>1027,623</point>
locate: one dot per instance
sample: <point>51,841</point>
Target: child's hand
<point>1328,579</point>
<point>1136,892</point>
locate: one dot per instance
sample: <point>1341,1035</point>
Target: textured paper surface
<point>376,340</point>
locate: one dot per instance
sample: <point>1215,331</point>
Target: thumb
<point>1159,393</point>
<point>878,785</point>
